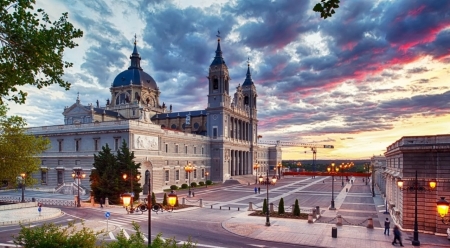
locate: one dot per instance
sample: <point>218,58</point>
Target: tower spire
<point>218,59</point>
<point>135,57</point>
<point>248,78</point>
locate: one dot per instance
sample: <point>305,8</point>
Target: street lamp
<point>442,209</point>
<point>279,165</point>
<point>342,167</point>
<point>274,180</point>
<point>416,187</point>
<point>23,186</point>
<point>125,176</point>
<point>189,168</point>
<point>332,170</point>
<point>206,183</point>
<point>76,174</point>
<point>255,167</point>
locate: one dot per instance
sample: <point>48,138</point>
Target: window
<point>60,162</point>
<point>177,175</point>
<point>214,132</point>
<point>203,173</point>
<point>77,162</point>
<point>96,143</point>
<point>166,175</point>
<point>60,145</point>
<point>398,162</point>
<point>116,144</point>
<point>44,176</point>
<point>77,145</point>
<point>216,84</point>
<point>195,173</point>
<point>203,150</point>
<point>60,176</point>
<point>185,149</point>
<point>176,148</point>
<point>186,175</point>
<point>167,148</point>
<point>195,150</point>
<point>174,126</point>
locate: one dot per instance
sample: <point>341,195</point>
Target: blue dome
<point>135,75</point>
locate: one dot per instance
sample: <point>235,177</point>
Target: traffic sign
<point>107,214</point>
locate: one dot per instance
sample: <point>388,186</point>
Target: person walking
<point>256,190</point>
<point>387,225</point>
<point>259,190</point>
<point>397,236</point>
<point>101,202</point>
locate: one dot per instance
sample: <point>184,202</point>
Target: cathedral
<point>220,141</point>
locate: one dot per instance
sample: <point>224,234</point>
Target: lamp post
<point>274,180</point>
<point>76,174</point>
<point>342,166</point>
<point>149,206</point>
<point>255,167</point>
<point>23,186</point>
<point>125,176</point>
<point>416,187</point>
<point>332,170</point>
<point>442,209</point>
<point>279,165</point>
<point>189,168</point>
<point>206,183</point>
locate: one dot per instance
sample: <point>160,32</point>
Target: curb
<point>57,213</point>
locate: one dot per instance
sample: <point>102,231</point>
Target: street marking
<point>111,235</point>
<point>125,233</point>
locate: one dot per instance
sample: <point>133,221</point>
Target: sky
<point>374,72</point>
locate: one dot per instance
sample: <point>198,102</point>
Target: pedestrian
<point>101,202</point>
<point>256,190</point>
<point>397,236</point>
<point>193,194</point>
<point>259,190</point>
<point>387,225</point>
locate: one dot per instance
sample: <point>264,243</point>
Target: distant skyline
<point>360,80</point>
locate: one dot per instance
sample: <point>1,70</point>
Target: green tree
<point>164,203</point>
<point>326,8</point>
<point>153,199</point>
<point>264,206</point>
<point>50,235</point>
<point>296,208</point>
<point>105,178</point>
<point>126,165</point>
<point>281,206</point>
<point>19,150</point>
<point>32,48</point>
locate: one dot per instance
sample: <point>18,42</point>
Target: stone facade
<point>430,157</point>
<point>221,139</point>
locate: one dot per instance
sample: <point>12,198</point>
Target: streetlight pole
<point>206,183</point>
<point>23,186</point>
<point>131,186</point>
<point>255,167</point>
<point>373,181</point>
<point>76,174</point>
<point>332,170</point>
<point>274,179</point>
<point>189,168</point>
<point>342,166</point>
<point>149,200</point>
<point>279,165</point>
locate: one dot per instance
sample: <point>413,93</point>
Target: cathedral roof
<point>135,75</point>
<point>248,78</point>
<point>218,60</point>
<point>179,114</point>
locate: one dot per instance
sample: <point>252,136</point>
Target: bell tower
<point>218,78</point>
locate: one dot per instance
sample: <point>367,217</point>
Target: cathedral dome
<point>135,75</point>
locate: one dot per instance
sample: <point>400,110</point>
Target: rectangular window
<point>177,175</point>
<point>60,162</point>
<point>77,145</point>
<point>195,173</point>
<point>60,145</point>
<point>60,176</point>
<point>186,175</point>
<point>176,148</point>
<point>185,149</point>
<point>195,150</point>
<point>398,162</point>
<point>167,148</point>
<point>203,173</point>
<point>77,162</point>
<point>116,144</point>
<point>214,132</point>
<point>166,175</point>
<point>44,176</point>
<point>96,143</point>
<point>203,150</point>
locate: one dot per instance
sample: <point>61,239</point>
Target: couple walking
<point>397,233</point>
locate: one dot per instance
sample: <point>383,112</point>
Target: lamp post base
<point>415,243</point>
<point>332,206</point>
<point>267,223</point>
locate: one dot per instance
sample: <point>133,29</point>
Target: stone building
<point>430,157</point>
<point>378,165</point>
<point>220,139</point>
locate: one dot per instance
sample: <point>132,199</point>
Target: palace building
<point>221,139</point>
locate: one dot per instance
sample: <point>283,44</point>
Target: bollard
<point>211,206</point>
<point>183,201</point>
<point>318,211</point>
<point>250,206</point>
<point>201,203</point>
<point>106,202</point>
<point>369,223</point>
<point>238,209</point>
<point>229,208</point>
<point>310,218</point>
<point>292,207</point>
<point>220,207</point>
<point>314,212</point>
<point>75,199</point>
<point>271,207</point>
<point>334,232</point>
<point>346,190</point>
<point>339,220</point>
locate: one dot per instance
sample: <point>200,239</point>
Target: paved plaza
<point>353,201</point>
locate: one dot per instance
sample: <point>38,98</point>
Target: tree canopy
<point>18,150</point>
<point>326,8</point>
<point>32,48</point>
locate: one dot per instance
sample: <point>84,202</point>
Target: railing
<point>44,201</point>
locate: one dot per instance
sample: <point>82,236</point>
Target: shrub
<point>296,208</point>
<point>265,206</point>
<point>193,184</point>
<point>153,199</point>
<point>173,187</point>
<point>201,183</point>
<point>208,182</point>
<point>164,203</point>
<point>281,206</point>
<point>184,186</point>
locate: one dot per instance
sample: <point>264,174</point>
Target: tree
<point>153,199</point>
<point>19,150</point>
<point>296,208</point>
<point>105,178</point>
<point>281,206</point>
<point>164,203</point>
<point>265,206</point>
<point>326,8</point>
<point>32,48</point>
<point>126,165</point>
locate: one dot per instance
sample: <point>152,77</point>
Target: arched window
<point>215,84</point>
<point>246,100</point>
<point>174,126</point>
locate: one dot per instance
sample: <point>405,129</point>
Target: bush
<point>201,183</point>
<point>281,206</point>
<point>184,186</point>
<point>208,182</point>
<point>296,208</point>
<point>265,206</point>
<point>164,203</point>
<point>173,187</point>
<point>153,199</point>
<point>193,184</point>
